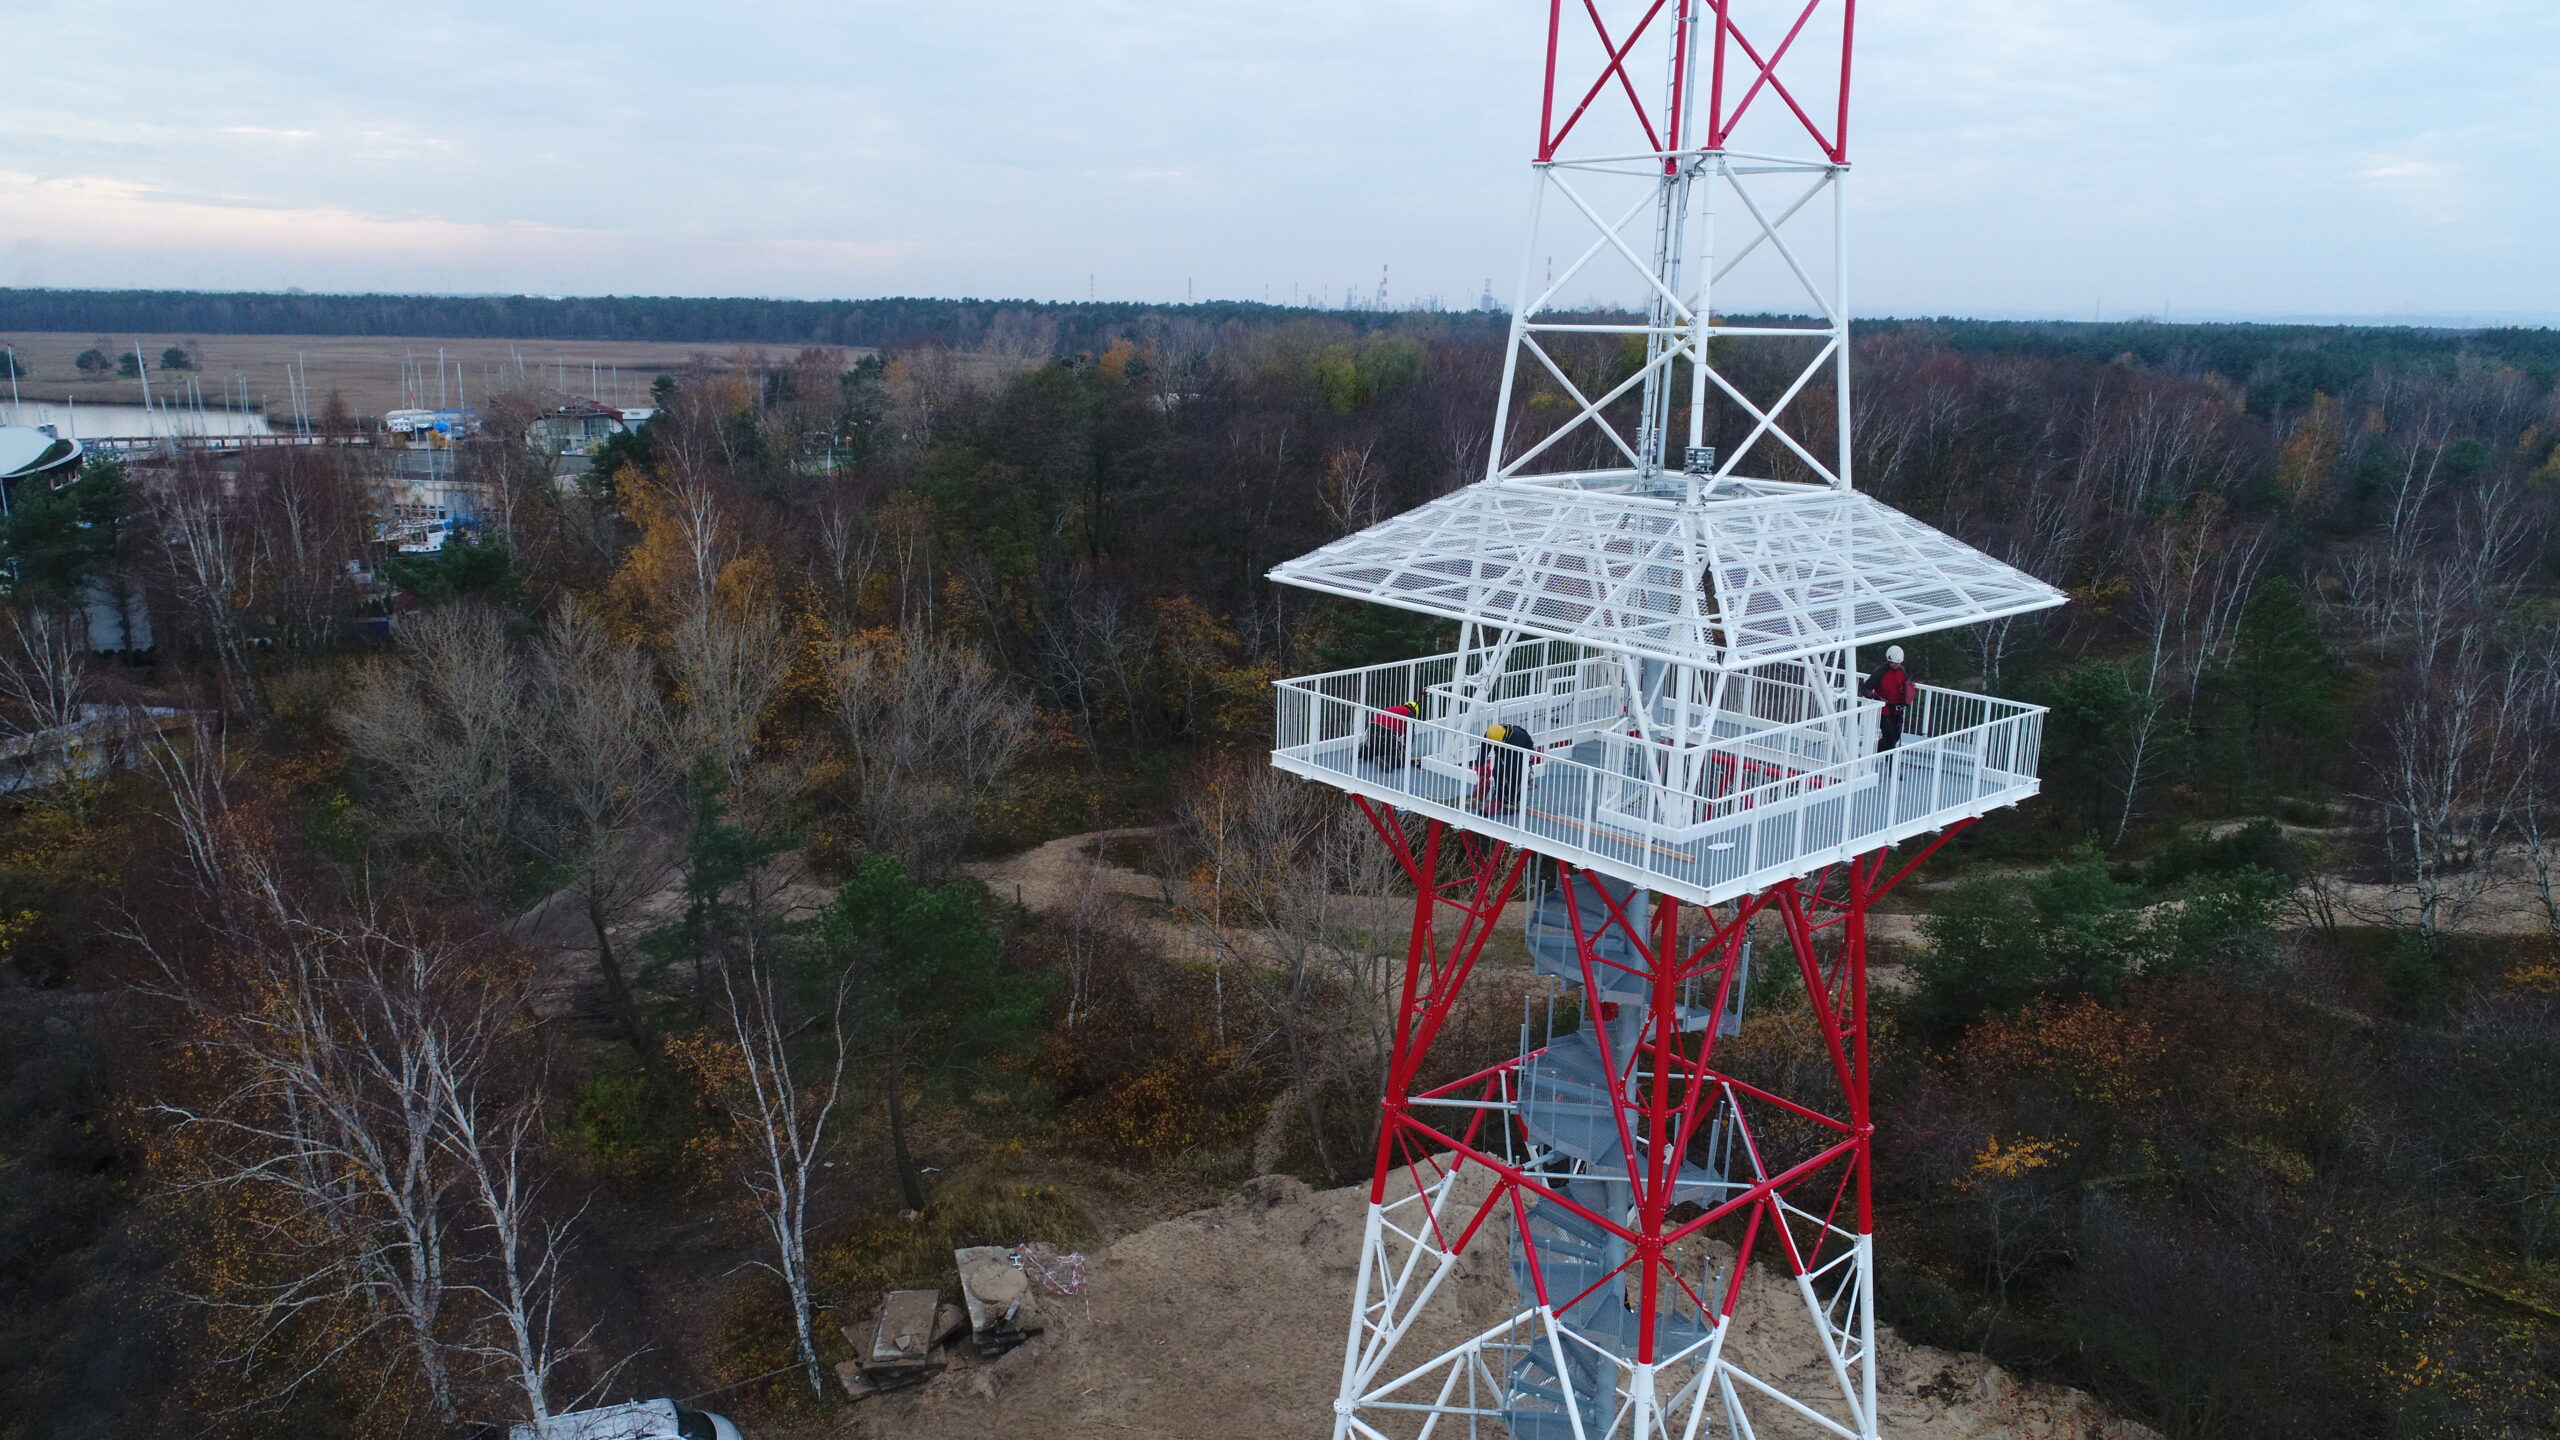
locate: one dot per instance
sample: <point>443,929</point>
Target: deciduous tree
<point>929,730</point>
<point>444,732</point>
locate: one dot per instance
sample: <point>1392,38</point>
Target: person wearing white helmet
<point>1892,685</point>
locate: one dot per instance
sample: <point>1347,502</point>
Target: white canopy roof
<point>1754,572</point>
<point>21,446</point>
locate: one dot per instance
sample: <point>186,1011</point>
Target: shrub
<point>2258,845</point>
<point>1996,944</point>
<point>1159,1110</point>
<point>889,1251</point>
<point>465,567</point>
<point>621,1125</point>
<point>2224,921</point>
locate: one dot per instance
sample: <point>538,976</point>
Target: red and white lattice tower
<point>1669,637</point>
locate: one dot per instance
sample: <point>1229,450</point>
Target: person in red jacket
<point>1892,685</point>
<point>1385,742</point>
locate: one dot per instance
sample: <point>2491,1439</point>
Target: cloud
<point>105,211</point>
<point>2420,180</point>
<point>2012,155</point>
<point>135,234</point>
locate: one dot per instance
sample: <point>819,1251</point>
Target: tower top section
<point>1663,579</point>
<point>1669,477</point>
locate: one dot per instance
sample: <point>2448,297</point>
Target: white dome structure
<point>30,450</point>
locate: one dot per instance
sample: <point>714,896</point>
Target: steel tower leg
<point>1626,1177</point>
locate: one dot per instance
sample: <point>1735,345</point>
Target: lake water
<point>75,421</point>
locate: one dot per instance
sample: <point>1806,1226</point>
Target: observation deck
<point>1704,806</point>
<point>1683,651</point>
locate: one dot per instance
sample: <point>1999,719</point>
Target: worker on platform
<point>1892,685</point>
<point>1502,768</point>
<point>1384,744</point>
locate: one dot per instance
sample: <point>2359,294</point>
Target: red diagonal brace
<point>1616,68</point>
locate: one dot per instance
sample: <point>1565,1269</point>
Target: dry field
<point>366,370</point>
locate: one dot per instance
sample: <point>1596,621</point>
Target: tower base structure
<point>1626,1177</point>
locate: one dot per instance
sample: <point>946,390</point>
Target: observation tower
<point>1659,590</point>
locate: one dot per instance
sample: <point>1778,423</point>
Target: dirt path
<point>1053,876</point>
<point>1071,873</point>
<point>556,929</point>
<point>1059,875</point>
<point>1229,1322</point>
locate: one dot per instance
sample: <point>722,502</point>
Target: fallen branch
<point>2483,1287</point>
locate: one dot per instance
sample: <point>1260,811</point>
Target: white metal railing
<point>1560,690</point>
<point>1739,804</point>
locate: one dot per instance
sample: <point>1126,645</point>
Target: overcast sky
<point>2014,157</point>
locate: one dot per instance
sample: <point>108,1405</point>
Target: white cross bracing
<point>1409,1264</point>
<point>1709,586</point>
<point>1680,192</point>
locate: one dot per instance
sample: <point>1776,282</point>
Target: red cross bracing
<point>1800,1192</point>
<point>1672,75</point>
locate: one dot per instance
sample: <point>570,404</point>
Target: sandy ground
<point>366,369</point>
<point>1230,1322</point>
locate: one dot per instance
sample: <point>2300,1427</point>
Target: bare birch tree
<point>729,660</point>
<point>43,669</point>
<point>1096,924</point>
<point>325,1123</point>
<point>490,1142</point>
<point>848,557</point>
<point>2045,541</point>
<point>2532,692</point>
<point>2380,576</point>
<point>779,1107</point>
<point>2190,576</point>
<point>202,536</point>
<point>2448,774</point>
<point>359,1119</point>
<point>1351,487</point>
<point>308,524</point>
<point>1287,890</point>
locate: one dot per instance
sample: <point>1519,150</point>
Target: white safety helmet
<point>1893,654</point>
